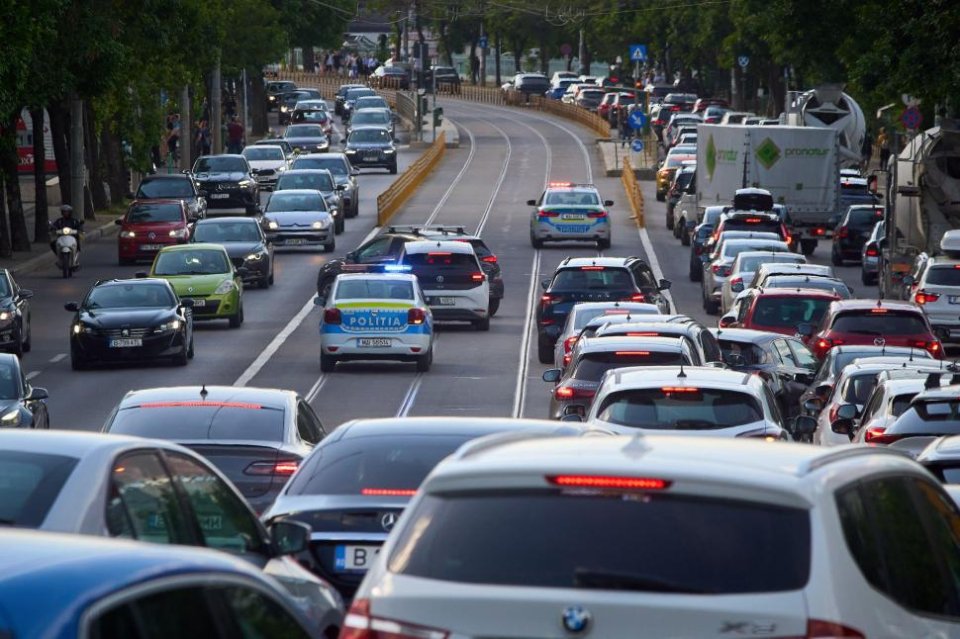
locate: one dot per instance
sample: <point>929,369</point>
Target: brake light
<point>568,343</point>
<point>560,184</point>
<point>439,254</point>
<point>721,270</point>
<point>607,481</point>
<point>873,252</point>
<point>566,359</point>
<point>824,344</point>
<point>832,416</point>
<point>736,284</point>
<point>360,624</point>
<point>477,277</point>
<point>597,214</point>
<point>568,392</point>
<point>547,299</point>
<point>924,297</point>
<point>332,316</point>
<point>416,316</point>
<point>819,629</point>
<point>637,297</point>
<point>642,334</point>
<point>631,353</point>
<point>934,347</point>
<point>592,268</point>
<point>843,232</point>
<point>753,220</point>
<point>200,404</point>
<point>490,259</point>
<point>878,310</point>
<point>548,214</point>
<point>878,435</point>
<point>819,231</point>
<point>283,468</point>
<point>679,389</point>
<point>388,492</point>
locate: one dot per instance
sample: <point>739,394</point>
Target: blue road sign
<point>483,42</point>
<point>638,53</point>
<point>637,145</point>
<point>743,61</point>
<point>636,120</point>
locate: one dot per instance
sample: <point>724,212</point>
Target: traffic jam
<point>781,460</point>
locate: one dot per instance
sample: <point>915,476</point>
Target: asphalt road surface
<point>505,158</point>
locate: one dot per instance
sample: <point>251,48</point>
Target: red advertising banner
<point>25,144</point>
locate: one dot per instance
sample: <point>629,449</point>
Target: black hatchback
<point>852,232</point>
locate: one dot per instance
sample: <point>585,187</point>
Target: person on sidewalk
<point>883,141</point>
<point>173,135</point>
<point>66,220</point>
<point>234,136</point>
<point>203,138</point>
<point>622,126</point>
<point>866,151</point>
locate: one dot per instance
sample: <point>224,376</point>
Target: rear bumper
<point>404,346</point>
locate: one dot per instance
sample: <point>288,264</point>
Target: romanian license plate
<point>572,216</point>
<point>199,303</point>
<point>443,301</point>
<point>219,196</point>
<point>373,341</point>
<point>127,342</point>
<point>151,247</point>
<point>296,241</point>
<point>354,558</point>
<point>954,299</point>
<point>370,158</point>
<point>573,228</point>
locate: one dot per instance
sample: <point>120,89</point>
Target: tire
<point>535,243</point>
<point>482,325</point>
<point>339,226</point>
<point>182,358</point>
<point>603,245</point>
<point>684,238</point>
<point>28,343</point>
<point>330,246</point>
<point>425,361</point>
<point>328,363</point>
<point>544,352</point>
<point>493,306</point>
<point>270,277</point>
<point>669,221</point>
<point>661,198</point>
<point>867,280</point>
<point>835,258</point>
<point>807,247</point>
<point>393,169</point>
<point>237,320</point>
<point>190,351</point>
<point>66,269</point>
<point>711,307</point>
<point>695,275</point>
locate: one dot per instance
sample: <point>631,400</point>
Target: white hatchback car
<point>614,537</point>
<point>452,280</point>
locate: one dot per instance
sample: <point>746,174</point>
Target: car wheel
<point>425,361</point>
<point>807,247</point>
<point>237,320</point>
<point>544,352</point>
<point>835,258</point>
<point>270,277</point>
<point>330,246</point>
<point>536,243</point>
<point>190,351</point>
<point>669,221</point>
<point>341,224</point>
<point>493,306</point>
<point>603,245</point>
<point>482,325</point>
<point>393,169</point>
<point>327,363</point>
<point>711,307</point>
<point>866,279</point>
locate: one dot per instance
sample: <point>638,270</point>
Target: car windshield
<point>129,295</point>
<point>313,181</point>
<point>218,232</point>
<point>751,354</point>
<point>191,420</point>
<point>572,198</point>
<point>369,135</point>
<point>310,116</point>
<point>369,465</point>
<point>191,262</point>
<point>363,289</point>
<point>370,117</point>
<point>680,408</point>
<point>819,283</point>
<point>372,102</point>
<point>147,213</point>
<point>31,483</point>
<point>295,201</point>
<point>732,249</point>
<point>220,164</point>
<point>590,367</point>
<point>788,312</point>
<point>278,87</point>
<point>555,539</point>
<point>884,323</point>
<point>173,188</point>
<point>304,131</point>
<point>865,218</point>
<point>260,153</point>
<point>355,94</point>
<point>944,276</point>
<point>578,279</point>
<point>335,165</point>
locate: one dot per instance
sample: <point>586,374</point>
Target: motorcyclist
<point>66,220</point>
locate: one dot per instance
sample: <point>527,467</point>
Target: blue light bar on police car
<point>397,268</point>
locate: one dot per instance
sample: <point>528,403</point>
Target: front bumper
<point>96,347</point>
<point>212,307</point>
<point>403,346</point>
<point>145,249</point>
<point>256,269</point>
<point>230,197</point>
<point>365,160</point>
<point>296,237</point>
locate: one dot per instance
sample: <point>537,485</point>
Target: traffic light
<point>425,109</point>
<point>437,116</point>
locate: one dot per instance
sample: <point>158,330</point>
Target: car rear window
<point>819,283</point>
<point>591,366</point>
<point>944,276</point>
<point>901,403</point>
<point>682,408</point>
<point>752,224</point>
<point>591,277</point>
<point>374,465</point>
<point>865,218</point>
<point>858,388</point>
<point>787,312</point>
<point>194,420</point>
<point>870,322</point>
<point>29,484</point>
<point>441,258</point>
<point>335,165</point>
<point>166,188</point>
<point>660,542</point>
<point>361,289</point>
<point>733,249</point>
<point>751,263</point>
<point>146,213</point>
<point>929,418</point>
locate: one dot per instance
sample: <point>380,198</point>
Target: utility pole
<point>483,50</point>
<point>582,53</point>
<point>216,123</point>
<point>186,130</point>
<point>246,105</point>
<point>77,154</point>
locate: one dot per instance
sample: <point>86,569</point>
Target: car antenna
<point>681,374</point>
<point>203,392</point>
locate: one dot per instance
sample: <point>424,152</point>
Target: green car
<point>205,274</point>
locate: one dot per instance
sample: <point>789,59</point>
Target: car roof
<point>627,306</point>
<point>230,219</point>
<point>941,393</point>
<point>623,342</point>
<point>467,426</point>
<point>789,268</point>
<point>743,335</point>
<point>449,246</point>
<point>941,449</point>
<point>269,397</point>
<point>654,376</point>
<point>818,293</point>
<point>403,277</point>
<point>740,234</point>
<point>867,304</point>
<point>209,246</point>
<point>70,443</point>
<point>577,262</point>
<point>266,146</point>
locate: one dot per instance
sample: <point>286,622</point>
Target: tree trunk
<point>498,43</point>
<point>98,194</point>
<point>41,216</point>
<point>518,46</point>
<point>112,155</point>
<point>309,60</point>
<point>18,238</point>
<point>258,106</point>
<point>4,233</point>
<point>544,58</point>
<point>59,131</point>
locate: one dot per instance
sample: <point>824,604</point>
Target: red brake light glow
<point>416,316</point>
<point>629,353</point>
<point>606,481</point>
<point>332,316</point>
<point>491,259</point>
<point>359,624</point>
<point>388,492</point>
<point>284,468</point>
<point>477,277</point>
<point>592,268</point>
<point>819,629</point>
<point>560,184</point>
<point>878,310</point>
<point>679,389</point>
<point>569,342</point>
<point>637,297</point>
<point>924,297</point>
<point>201,404</point>
<point>644,334</point>
<point>753,220</point>
<point>873,252</point>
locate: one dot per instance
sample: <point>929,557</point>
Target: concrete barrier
<point>390,201</point>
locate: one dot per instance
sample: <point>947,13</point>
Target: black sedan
<point>307,138</point>
<point>177,186</point>
<point>21,405</point>
<point>341,96</point>
<point>371,147</point>
<point>130,321</point>
<point>246,245</point>
<point>227,182</point>
<point>14,315</point>
<point>391,78</point>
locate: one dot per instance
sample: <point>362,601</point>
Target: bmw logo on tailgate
<point>575,619</point>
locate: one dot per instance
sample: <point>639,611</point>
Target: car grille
<point>117,333</point>
<point>238,261</point>
<point>265,172</point>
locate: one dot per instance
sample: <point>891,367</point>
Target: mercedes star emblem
<point>575,619</point>
<point>440,278</point>
<point>388,520</point>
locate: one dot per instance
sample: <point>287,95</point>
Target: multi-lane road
<point>505,158</point>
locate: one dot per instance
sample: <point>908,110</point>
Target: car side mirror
<point>552,375</point>
<point>608,202</point>
<point>842,426</point>
<point>36,394</point>
<point>805,329</point>
<point>847,411</point>
<point>804,425</point>
<point>290,537</point>
<point>118,221</point>
<point>187,303</point>
<point>803,378</point>
<point>73,307</point>
<point>908,280</point>
<point>664,285</point>
<point>727,321</point>
<point>355,172</point>
<point>341,187</point>
<point>25,293</point>
<point>351,256</point>
<point>531,202</point>
<point>319,300</point>
<point>544,284</point>
<point>813,405</point>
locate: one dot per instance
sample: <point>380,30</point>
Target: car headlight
<point>11,418</point>
<point>350,151</point>
<point>284,109</point>
<point>82,328</point>
<point>333,211</point>
<point>321,224</point>
<point>245,183</point>
<point>254,257</point>
<point>225,287</point>
<point>6,316</point>
<point>172,325</point>
<point>128,234</point>
<point>179,233</point>
<point>389,151</point>
<point>272,225</point>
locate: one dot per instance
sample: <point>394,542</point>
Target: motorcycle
<point>67,248</point>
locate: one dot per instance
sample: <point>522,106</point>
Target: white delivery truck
<point>800,166</point>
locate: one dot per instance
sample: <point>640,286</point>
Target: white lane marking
<point>57,358</point>
<point>654,263</point>
<point>275,345</point>
<point>520,389</point>
<point>456,180</point>
<point>315,389</point>
<point>411,396</point>
<point>500,178</point>
<point>31,375</point>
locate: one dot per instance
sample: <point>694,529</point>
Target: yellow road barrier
<point>634,194</point>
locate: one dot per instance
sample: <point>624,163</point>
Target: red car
<point>150,225</point>
<point>701,104</point>
<point>782,310</point>
<point>879,322</point>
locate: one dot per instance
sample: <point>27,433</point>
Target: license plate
<point>354,558</point>
<point>130,342</point>
<point>572,216</point>
<point>373,341</point>
<point>219,196</point>
<point>954,299</point>
<point>297,241</point>
<point>370,158</point>
<point>151,247</point>
<point>573,228</point>
<point>443,301</point>
<point>197,303</point>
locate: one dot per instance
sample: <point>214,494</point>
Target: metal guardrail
<point>406,106</point>
<point>634,193</point>
<point>404,186</point>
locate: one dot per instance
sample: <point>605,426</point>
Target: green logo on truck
<point>715,155</point>
<point>768,153</point>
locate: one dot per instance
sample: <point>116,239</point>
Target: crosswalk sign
<point>638,53</point>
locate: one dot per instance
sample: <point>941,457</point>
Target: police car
<point>375,316</point>
<point>567,211</point>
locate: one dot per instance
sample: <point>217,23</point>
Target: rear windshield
<point>29,484</point>
<point>219,232</point>
<point>751,263</point>
<point>819,283</point>
<point>165,188</point>
<point>787,312</point>
<point>752,354</point>
<point>143,213</point>
<point>901,403</point>
<point>865,218</point>
<point>572,198</point>
<point>735,249</point>
<point>452,260</point>
<point>358,465</point>
<point>858,388</point>
<point>592,366</point>
<point>600,278</point>
<point>888,323</point>
<point>943,276</point>
<point>188,420</point>
<point>661,542</point>
<point>676,160</point>
<point>316,181</point>
<point>929,418</point>
<point>256,153</point>
<point>370,117</point>
<point>748,224</point>
<point>479,248</point>
<point>374,290</point>
<point>687,408</point>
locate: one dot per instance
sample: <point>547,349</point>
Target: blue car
<point>63,587</point>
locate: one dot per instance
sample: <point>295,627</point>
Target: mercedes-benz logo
<point>388,520</point>
<point>575,619</point>
<point>440,278</point>
<point>879,341</point>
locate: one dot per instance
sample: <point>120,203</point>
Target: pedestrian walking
<point>203,138</point>
<point>328,65</point>
<point>234,136</point>
<point>866,150</point>
<point>883,141</point>
<point>622,126</point>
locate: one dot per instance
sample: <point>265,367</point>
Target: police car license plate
<point>572,216</point>
<point>954,299</point>
<point>443,301</point>
<point>354,558</point>
<point>219,196</point>
<point>129,342</point>
<point>151,247</point>
<point>373,341</point>
<point>573,228</point>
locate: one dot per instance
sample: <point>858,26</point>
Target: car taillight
<point>284,468</point>
<point>360,624</point>
<point>923,297</point>
<point>721,270</point>
<point>416,316</point>
<point>597,214</point>
<point>569,392</point>
<point>819,629</point>
<point>872,251</point>
<point>636,297</point>
<point>605,481</point>
<point>843,232</point>
<point>823,344</point>
<point>548,214</point>
<point>878,435</point>
<point>547,299</point>
<point>477,277</point>
<point>736,284</point>
<point>490,259</point>
<point>569,342</point>
<point>332,316</point>
<point>933,346</point>
<point>819,231</point>
<point>388,492</point>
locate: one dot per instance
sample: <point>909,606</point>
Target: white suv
<point>613,537</point>
<point>938,293</point>
<point>452,280</point>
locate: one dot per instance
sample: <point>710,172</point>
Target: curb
<point>48,259</point>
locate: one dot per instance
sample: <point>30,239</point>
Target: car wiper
<point>602,579</point>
